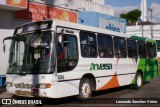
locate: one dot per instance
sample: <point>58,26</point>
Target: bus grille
<point>24,93</point>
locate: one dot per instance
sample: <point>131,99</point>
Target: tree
<point>131,16</point>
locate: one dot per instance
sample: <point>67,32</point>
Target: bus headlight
<point>43,85</point>
<point>9,84</point>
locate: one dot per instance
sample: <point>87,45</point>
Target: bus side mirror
<point>4,45</point>
<point>4,48</point>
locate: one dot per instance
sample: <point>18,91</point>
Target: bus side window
<point>132,48</point>
<point>60,52</point>
<point>68,52</point>
<point>105,46</point>
<point>154,50</point>
<point>142,49</point>
<point>88,44</point>
<point>120,47</point>
<point>151,50</point>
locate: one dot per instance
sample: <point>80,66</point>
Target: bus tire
<point>138,81</point>
<point>85,90</point>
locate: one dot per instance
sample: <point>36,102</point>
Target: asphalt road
<point>112,97</point>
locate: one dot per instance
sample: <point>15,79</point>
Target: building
<point>87,12</point>
<point>99,1</point>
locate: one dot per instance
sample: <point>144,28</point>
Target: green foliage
<point>131,16</point>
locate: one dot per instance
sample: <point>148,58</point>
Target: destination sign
<point>35,26</point>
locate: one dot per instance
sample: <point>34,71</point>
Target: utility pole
<point>151,22</point>
<point>141,23</point>
<point>142,28</point>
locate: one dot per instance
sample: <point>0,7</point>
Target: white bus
<point>56,59</point>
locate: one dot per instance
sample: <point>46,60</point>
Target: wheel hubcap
<point>139,81</point>
<point>86,90</point>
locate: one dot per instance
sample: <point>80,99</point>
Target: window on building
<point>105,46</point>
<point>120,47</point>
<point>132,48</point>
<point>151,50</point>
<point>142,49</point>
<point>88,44</point>
<point>67,53</point>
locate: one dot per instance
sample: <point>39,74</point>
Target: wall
<point>13,4</point>
<point>7,24</point>
<point>4,56</point>
<point>75,4</point>
<point>5,19</point>
<point>137,30</point>
<point>99,1</point>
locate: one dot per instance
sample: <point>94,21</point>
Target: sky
<point>124,6</point>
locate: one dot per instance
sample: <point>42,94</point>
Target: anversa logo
<point>106,66</point>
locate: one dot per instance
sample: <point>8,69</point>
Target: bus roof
<point>65,24</point>
<point>87,28</point>
<point>59,23</point>
<point>142,39</point>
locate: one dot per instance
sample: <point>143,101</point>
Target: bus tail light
<point>9,84</point>
<point>43,85</point>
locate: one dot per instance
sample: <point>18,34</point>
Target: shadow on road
<point>114,90</point>
<point>2,89</point>
<point>146,82</point>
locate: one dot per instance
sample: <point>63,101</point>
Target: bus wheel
<point>85,90</point>
<point>138,82</point>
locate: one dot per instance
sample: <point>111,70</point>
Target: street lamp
<point>151,22</point>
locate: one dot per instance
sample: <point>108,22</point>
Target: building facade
<point>88,5</point>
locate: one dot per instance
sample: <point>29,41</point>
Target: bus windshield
<point>31,54</point>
